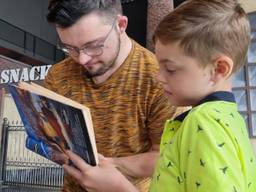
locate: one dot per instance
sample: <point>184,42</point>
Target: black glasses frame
<point>92,51</point>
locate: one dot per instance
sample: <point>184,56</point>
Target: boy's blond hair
<point>207,28</point>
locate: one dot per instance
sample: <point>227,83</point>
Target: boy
<point>199,46</point>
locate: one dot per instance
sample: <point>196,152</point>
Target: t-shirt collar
<point>216,96</point>
<point>219,96</point>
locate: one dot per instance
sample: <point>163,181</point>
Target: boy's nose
<point>160,77</point>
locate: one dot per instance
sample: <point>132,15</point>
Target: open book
<point>54,124</point>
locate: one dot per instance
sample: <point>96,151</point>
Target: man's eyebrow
<point>93,41</point>
<point>86,44</point>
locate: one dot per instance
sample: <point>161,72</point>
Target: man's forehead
<point>81,34</point>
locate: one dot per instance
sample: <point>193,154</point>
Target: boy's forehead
<point>166,50</point>
<point>172,55</point>
<point>161,43</point>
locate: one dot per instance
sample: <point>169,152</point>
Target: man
<point>115,77</point>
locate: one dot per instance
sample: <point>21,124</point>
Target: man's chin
<point>90,73</point>
<point>97,70</point>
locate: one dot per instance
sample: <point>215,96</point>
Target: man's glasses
<point>92,51</point>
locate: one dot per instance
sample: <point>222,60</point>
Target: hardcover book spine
<point>23,113</point>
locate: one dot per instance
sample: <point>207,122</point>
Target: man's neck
<point>125,49</point>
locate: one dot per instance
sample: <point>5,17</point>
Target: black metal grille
<point>22,167</point>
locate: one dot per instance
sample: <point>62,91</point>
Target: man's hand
<point>137,166</point>
<point>101,178</point>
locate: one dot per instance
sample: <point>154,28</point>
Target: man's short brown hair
<point>207,28</point>
<point>65,13</point>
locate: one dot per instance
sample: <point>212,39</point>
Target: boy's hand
<point>103,177</point>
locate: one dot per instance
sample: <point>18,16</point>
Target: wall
<point>249,5</point>
<point>28,15</point>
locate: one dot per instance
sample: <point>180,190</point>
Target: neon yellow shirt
<point>206,149</point>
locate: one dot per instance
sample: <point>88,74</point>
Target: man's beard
<point>105,67</point>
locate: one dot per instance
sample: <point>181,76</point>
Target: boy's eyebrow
<point>167,61</point>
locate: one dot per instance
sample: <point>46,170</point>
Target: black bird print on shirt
<point>199,128</point>
<point>198,184</point>
<point>221,144</point>
<point>224,169</point>
<point>202,163</point>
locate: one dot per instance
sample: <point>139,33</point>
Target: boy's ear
<point>223,67</point>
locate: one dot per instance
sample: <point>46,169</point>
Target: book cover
<point>54,124</point>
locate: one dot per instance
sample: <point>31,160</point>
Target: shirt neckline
<point>216,96</point>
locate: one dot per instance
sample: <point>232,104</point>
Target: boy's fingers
<point>78,161</point>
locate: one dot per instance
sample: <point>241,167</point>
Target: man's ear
<point>122,22</point>
<point>223,67</point>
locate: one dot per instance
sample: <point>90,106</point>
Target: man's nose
<point>83,58</point>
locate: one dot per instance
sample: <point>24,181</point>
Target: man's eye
<point>94,47</point>
<point>69,48</point>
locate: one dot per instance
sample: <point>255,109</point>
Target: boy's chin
<point>175,102</point>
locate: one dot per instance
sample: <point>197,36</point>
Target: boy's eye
<point>171,70</point>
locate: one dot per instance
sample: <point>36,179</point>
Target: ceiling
<point>249,5</point>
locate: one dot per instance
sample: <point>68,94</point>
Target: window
<point>244,83</point>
